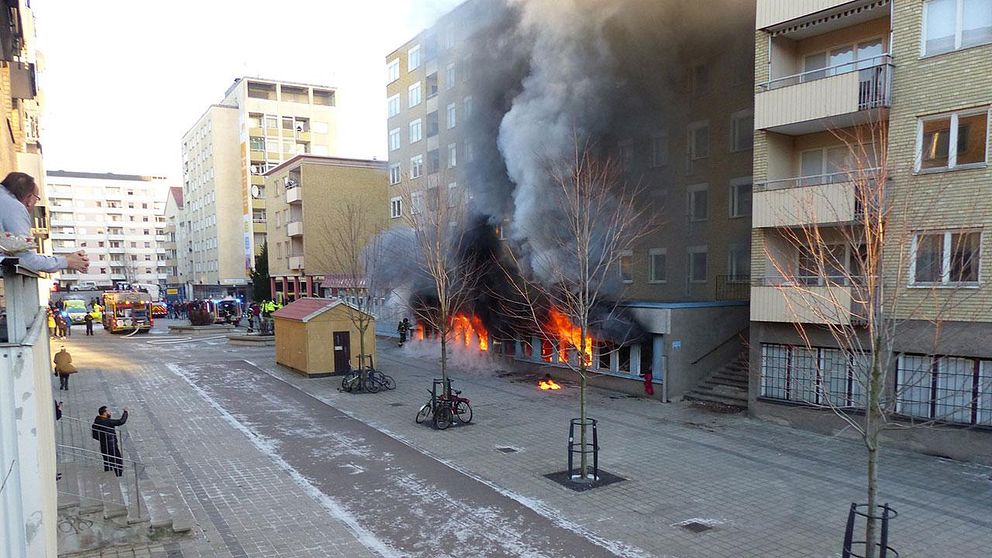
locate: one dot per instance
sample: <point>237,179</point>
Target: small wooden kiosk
<point>317,336</point>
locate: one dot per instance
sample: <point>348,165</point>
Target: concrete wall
<point>696,332</point>
<point>27,441</point>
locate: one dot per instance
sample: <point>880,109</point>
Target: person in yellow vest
<point>64,368</point>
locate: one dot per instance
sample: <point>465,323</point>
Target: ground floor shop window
<point>944,388</point>
<point>813,375</point>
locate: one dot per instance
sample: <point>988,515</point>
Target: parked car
<point>83,286</point>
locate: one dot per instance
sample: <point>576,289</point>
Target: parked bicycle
<point>368,379</point>
<point>445,408</point>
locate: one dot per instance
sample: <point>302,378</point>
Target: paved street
<point>272,464</point>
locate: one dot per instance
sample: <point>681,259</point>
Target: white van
<point>83,286</point>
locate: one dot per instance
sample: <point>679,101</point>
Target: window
<point>432,124</point>
<point>945,388</point>
<point>738,264</point>
<point>657,265</point>
<point>625,153</point>
<point>453,195</point>
<point>627,266</point>
<point>697,264</point>
<point>394,173</point>
<point>742,131</point>
<point>413,95</point>
<point>698,202</point>
<point>413,58</point>
<point>813,375</point>
<point>829,165</point>
<point>937,151</point>
<point>433,161</point>
<point>416,203</point>
<point>467,111</point>
<point>659,149</point>
<point>416,132</point>
<point>452,155</point>
<point>394,139</point>
<point>469,148</point>
<point>452,115</point>
<point>257,144</point>
<point>395,208</point>
<point>416,166</point>
<point>393,71</point>
<point>449,76</point>
<point>392,106</point>
<point>740,197</point>
<point>699,79</point>
<point>432,86</point>
<point>946,258</point>
<point>699,141</point>
<point>955,24</point>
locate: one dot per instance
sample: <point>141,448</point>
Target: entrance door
<point>342,351</point>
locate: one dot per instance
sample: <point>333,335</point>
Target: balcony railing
<point>870,72</point>
<point>815,180</point>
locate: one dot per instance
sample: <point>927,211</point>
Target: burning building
<point>482,100</point>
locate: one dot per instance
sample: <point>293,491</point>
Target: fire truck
<point>127,312</point>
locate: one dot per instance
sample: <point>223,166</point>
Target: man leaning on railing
<point>17,200</point>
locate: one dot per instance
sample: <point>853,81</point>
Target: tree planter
<point>850,545</point>
<point>577,449</point>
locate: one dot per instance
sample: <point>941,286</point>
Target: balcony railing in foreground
<point>837,298</point>
<point>874,75</point>
<point>733,287</point>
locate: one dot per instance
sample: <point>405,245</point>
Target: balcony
<point>770,13</point>
<point>173,280</point>
<point>808,200</point>
<point>295,262</point>
<point>27,435</point>
<point>258,227</point>
<point>294,228</point>
<point>257,180</point>
<point>303,136</point>
<point>294,195</point>
<point>835,97</point>
<point>807,304</point>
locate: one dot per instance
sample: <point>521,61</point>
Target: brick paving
<point>765,490</point>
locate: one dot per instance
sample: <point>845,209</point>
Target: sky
<point>124,79</point>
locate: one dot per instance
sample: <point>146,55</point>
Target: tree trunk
<point>872,424</point>
<point>583,461</point>
<point>362,327</point>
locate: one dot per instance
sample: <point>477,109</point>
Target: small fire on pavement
<point>548,383</point>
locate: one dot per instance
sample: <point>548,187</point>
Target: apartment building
<point>687,141</point>
<point>920,73</point>
<point>28,525</point>
<point>118,219</point>
<point>309,200</point>
<point>259,124</point>
<point>176,268</point>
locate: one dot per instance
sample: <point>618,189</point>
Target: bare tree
<point>577,272</point>
<point>841,266</point>
<point>437,218</point>
<point>357,256</point>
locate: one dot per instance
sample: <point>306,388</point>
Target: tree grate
<point>696,527</point>
<point>397,404</point>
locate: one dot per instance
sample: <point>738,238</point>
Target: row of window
<point>945,388</point>
<point>416,126</point>
<point>697,259</point>
<point>433,163</point>
<point>950,25</point>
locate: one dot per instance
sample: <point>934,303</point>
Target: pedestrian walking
<point>68,323</point>
<point>105,431</point>
<point>89,323</point>
<point>51,323</point>
<point>64,368</point>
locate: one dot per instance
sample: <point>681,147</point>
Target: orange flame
<point>548,384</point>
<point>468,329</point>
<point>569,335</point>
<point>420,331</point>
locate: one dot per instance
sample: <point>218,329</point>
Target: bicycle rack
<point>884,550</point>
<point>446,389</point>
<point>575,448</point>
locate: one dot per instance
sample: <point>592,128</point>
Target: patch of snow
<point>709,522</point>
<point>270,448</point>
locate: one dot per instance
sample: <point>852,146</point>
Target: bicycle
<point>383,381</point>
<point>445,408</point>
